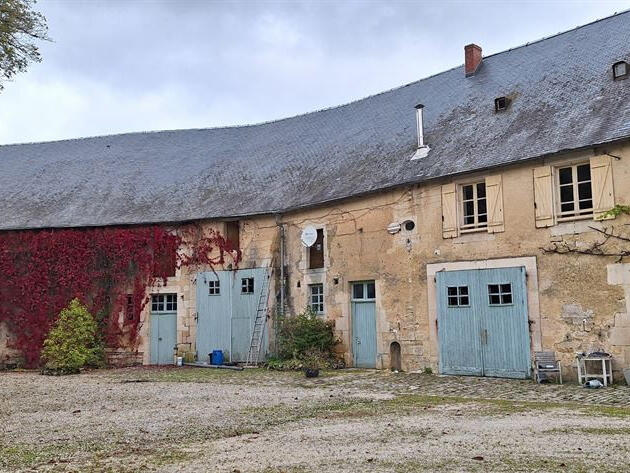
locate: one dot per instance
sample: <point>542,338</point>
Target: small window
<point>130,308</point>
<point>501,104</point>
<point>316,252</point>
<point>500,294</point>
<point>247,286</point>
<point>457,296</point>
<point>233,234</point>
<point>364,291</point>
<point>620,70</point>
<point>474,208</point>
<point>164,303</point>
<point>317,298</point>
<point>214,288</point>
<point>575,195</point>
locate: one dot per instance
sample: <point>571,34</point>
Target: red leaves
<point>43,270</point>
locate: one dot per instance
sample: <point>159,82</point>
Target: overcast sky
<point>123,65</point>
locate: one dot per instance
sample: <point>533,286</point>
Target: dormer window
<point>620,70</point>
<point>501,104</point>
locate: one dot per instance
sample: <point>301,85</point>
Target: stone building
<point>454,218</point>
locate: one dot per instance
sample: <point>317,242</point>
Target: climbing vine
<point>601,247</point>
<point>107,269</point>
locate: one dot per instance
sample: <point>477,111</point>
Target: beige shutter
<point>449,211</point>
<point>494,201</point>
<point>543,196</point>
<point>602,185</point>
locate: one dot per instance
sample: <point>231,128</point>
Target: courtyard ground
<point>198,420</point>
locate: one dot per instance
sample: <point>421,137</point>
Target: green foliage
<point>276,364</point>
<point>616,211</point>
<point>305,332</point>
<point>72,342</point>
<point>315,359</point>
<point>20,27</point>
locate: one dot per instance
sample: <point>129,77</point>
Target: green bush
<point>72,342</point>
<point>303,333</point>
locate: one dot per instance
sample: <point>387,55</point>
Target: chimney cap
<point>418,106</point>
<point>472,46</point>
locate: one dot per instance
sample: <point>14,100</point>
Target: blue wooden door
<point>459,323</point>
<point>163,328</point>
<point>214,294</point>
<point>364,324</point>
<point>226,311</point>
<point>505,327</point>
<point>482,322</point>
<point>246,290</point>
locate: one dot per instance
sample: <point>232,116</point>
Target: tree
<point>73,341</point>
<point>20,28</point>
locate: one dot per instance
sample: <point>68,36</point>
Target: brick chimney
<point>472,54</point>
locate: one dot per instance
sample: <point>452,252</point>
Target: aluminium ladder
<point>260,322</point>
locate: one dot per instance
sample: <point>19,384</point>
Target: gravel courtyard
<point>198,420</point>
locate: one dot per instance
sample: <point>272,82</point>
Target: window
<point>247,286</point>
<point>317,298</point>
<point>457,296</point>
<point>233,234</point>
<point>501,104</point>
<point>575,197</point>
<point>620,70</point>
<point>130,307</point>
<point>364,290</point>
<point>474,208</point>
<point>500,294</point>
<point>214,288</point>
<point>164,303</point>
<point>316,252</point>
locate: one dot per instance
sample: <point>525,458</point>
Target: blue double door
<point>483,327</point>
<point>227,302</point>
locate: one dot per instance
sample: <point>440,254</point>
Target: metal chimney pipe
<point>419,125</point>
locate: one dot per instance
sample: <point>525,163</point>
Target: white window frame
<point>476,226</point>
<point>160,302</point>
<point>316,299</point>
<point>576,213</point>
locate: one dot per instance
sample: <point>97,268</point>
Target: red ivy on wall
<point>42,270</point>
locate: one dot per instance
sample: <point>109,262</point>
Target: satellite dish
<point>309,236</point>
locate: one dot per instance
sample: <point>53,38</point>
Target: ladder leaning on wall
<point>260,322</point>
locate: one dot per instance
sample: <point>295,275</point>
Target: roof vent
<point>423,150</point>
<point>472,57</point>
<point>501,104</point>
<point>620,70</point>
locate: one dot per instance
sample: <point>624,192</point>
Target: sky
<point>116,66</point>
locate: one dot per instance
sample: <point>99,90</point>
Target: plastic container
<point>216,358</point>
<point>180,361</point>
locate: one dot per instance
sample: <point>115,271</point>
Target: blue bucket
<point>216,358</point>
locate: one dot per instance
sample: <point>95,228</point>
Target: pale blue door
<point>214,314</point>
<point>458,323</point>
<point>505,336</point>
<point>246,293</point>
<point>163,328</point>
<point>226,311</point>
<point>364,324</point>
<point>483,323</point>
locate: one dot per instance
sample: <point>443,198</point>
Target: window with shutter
<point>449,211</point>
<point>543,196</point>
<point>494,193</point>
<point>602,185</point>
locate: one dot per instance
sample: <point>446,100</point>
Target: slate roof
<point>563,98</point>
